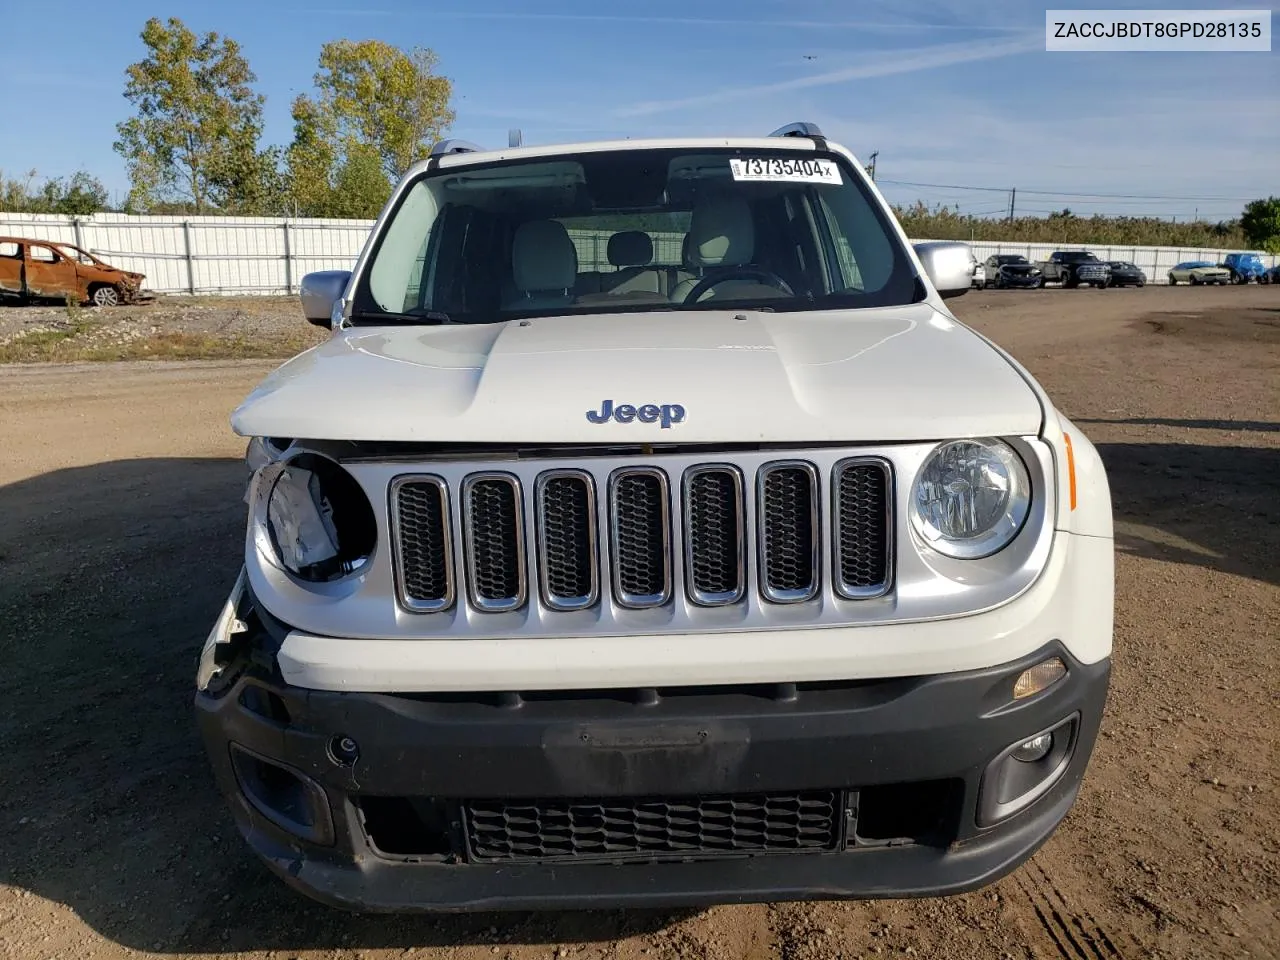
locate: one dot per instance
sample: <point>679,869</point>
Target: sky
<point>953,94</point>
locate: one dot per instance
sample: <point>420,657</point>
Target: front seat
<point>722,236</point>
<point>544,266</point>
<point>631,252</point>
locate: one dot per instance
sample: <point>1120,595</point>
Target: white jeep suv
<point>650,533</point>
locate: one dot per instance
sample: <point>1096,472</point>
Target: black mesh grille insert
<point>568,553</point>
<point>787,526</point>
<point>424,542</point>
<point>862,504</point>
<point>641,562</point>
<point>646,829</point>
<point>494,541</point>
<point>714,533</point>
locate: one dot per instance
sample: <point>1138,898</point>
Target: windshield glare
<point>634,230</point>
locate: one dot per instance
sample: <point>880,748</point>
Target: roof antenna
<point>514,137</point>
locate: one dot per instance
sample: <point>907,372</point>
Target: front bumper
<point>1020,280</point>
<point>904,759</point>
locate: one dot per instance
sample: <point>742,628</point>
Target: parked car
<point>46,270</point>
<point>1074,267</point>
<point>1012,270</point>
<point>540,608</point>
<point>1272,275</point>
<point>1126,274</point>
<point>1196,272</point>
<point>1245,267</point>
<point>980,274</point>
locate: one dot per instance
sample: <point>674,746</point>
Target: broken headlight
<point>314,521</point>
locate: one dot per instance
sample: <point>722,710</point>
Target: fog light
<point>1034,749</point>
<point>1040,677</point>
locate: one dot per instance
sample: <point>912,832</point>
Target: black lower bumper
<point>1020,280</point>
<point>376,805</point>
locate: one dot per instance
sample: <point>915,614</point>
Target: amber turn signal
<point>1040,677</point>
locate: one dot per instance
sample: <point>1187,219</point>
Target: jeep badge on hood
<point>666,414</point>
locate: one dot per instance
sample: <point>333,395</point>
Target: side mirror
<point>319,292</point>
<point>947,264</point>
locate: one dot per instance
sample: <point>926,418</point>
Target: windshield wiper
<point>411,316</point>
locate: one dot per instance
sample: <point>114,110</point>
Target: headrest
<point>543,257</point>
<point>631,248</point>
<point>721,233</point>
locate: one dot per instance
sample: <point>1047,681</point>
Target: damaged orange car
<point>47,270</point>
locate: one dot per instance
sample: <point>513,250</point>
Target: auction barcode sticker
<point>786,169</point>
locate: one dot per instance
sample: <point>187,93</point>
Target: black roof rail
<point>454,146</point>
<point>803,129</point>
<point>800,129</point>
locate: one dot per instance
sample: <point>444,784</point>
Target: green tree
<point>386,98</point>
<point>311,160</point>
<point>1261,224</point>
<point>360,185</point>
<point>197,117</point>
<point>78,195</point>
<point>15,193</point>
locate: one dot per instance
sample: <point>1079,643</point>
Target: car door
<point>10,268</point>
<point>49,273</point>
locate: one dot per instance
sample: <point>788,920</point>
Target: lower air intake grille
<point>628,829</point>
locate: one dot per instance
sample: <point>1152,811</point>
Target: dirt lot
<point>120,530</point>
<point>208,328</point>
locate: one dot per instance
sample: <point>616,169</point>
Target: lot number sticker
<point>776,169</point>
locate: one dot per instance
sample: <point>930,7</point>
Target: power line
<point>1065,193</point>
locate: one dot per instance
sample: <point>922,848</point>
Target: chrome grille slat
<point>714,534</point>
<point>567,549</point>
<point>751,548</point>
<point>493,526</point>
<point>423,542</point>
<point>787,520</point>
<point>862,514</point>
<point>640,537</point>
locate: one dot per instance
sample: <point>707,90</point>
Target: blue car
<point>1245,267</point>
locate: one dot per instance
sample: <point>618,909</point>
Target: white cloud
<point>888,64</point>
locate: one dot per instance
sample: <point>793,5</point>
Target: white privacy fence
<point>222,255</point>
<point>268,255</point>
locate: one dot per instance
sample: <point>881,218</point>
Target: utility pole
<point>1013,195</point>
<point>871,167</point>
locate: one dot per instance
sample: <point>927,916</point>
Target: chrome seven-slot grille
<point>716,506</point>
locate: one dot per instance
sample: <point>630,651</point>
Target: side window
<point>10,249</point>
<point>42,254</point>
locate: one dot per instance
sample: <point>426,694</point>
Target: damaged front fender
<point>230,627</point>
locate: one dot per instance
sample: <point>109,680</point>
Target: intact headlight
<point>317,522</point>
<point>970,498</point>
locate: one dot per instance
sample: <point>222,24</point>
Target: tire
<point>1068,281</point>
<point>1172,281</point>
<point>104,296</point>
<point>1037,283</point>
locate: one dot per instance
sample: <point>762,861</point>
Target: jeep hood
<point>885,374</point>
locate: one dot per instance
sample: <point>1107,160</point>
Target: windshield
<point>634,230</point>
<point>1006,259</point>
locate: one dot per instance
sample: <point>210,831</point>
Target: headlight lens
<point>970,498</point>
<point>318,520</point>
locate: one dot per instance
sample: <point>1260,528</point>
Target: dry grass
<point>78,343</point>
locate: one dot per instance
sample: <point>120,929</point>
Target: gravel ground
<point>179,327</point>
<point>122,527</point>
